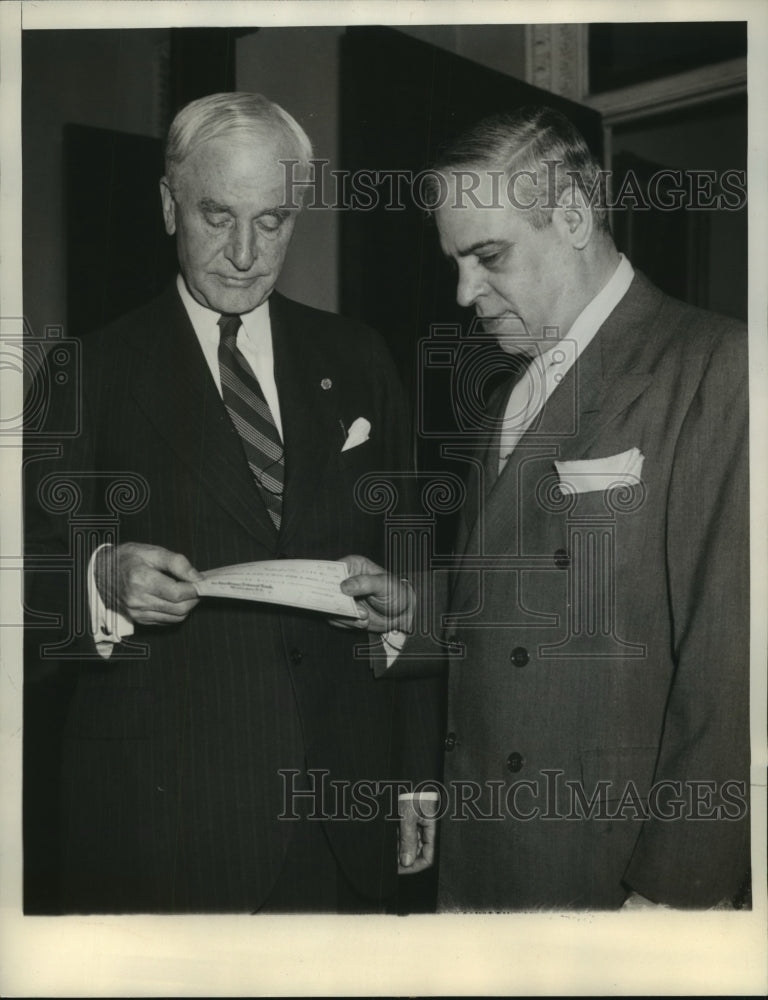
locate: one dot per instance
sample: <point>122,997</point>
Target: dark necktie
<point>252,418</point>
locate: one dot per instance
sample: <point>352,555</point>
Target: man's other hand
<point>146,583</point>
<point>386,602</point>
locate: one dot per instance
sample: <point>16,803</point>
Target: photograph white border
<point>640,953</point>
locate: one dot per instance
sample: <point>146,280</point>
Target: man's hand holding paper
<point>146,583</point>
<point>384,603</point>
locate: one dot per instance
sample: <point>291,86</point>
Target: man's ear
<point>574,218</point>
<point>169,206</point>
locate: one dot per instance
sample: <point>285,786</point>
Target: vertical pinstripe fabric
<point>252,419</point>
<point>173,766</point>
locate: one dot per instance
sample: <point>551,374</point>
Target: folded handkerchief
<point>592,474</point>
<point>358,433</point>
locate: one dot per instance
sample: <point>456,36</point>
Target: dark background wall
<point>121,80</point>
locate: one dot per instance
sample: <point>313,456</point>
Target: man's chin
<point>510,332</point>
<point>234,298</point>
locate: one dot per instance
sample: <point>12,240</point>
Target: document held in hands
<point>313,584</point>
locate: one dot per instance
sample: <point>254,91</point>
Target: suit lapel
<point>309,412</point>
<point>610,374</point>
<point>175,389</point>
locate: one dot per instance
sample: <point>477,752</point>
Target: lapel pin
<point>326,383</point>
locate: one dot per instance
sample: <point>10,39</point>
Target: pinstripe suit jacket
<point>171,760</point>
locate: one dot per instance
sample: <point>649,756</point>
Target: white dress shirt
<point>548,369</point>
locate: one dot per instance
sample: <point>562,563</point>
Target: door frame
<point>557,59</point>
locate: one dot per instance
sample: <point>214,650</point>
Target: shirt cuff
<point>395,640</point>
<point>107,626</point>
<point>393,643</point>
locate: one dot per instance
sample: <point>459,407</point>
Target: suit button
<point>514,762</point>
<point>450,742</point>
<point>562,559</point>
<point>296,656</point>
<point>519,656</point>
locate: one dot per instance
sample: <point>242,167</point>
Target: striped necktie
<point>252,419</point>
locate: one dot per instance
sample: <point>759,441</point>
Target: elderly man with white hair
<point>190,772</point>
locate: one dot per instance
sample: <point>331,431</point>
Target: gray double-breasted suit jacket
<point>599,641</point>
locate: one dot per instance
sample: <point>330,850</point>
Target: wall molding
<point>671,92</point>
<point>556,58</point>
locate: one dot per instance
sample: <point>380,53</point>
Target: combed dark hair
<point>536,139</point>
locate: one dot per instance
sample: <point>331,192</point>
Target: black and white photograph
<point>384,498</point>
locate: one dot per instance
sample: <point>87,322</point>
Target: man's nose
<point>469,286</point>
<point>241,249</point>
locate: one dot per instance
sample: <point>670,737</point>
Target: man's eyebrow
<point>209,205</point>
<point>278,210</point>
<point>480,245</point>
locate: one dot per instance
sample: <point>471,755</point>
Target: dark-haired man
<point>597,747</point>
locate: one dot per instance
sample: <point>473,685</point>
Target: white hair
<point>223,114</point>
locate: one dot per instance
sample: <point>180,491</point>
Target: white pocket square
<point>591,474</point>
<point>358,433</point>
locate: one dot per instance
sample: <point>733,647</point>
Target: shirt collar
<point>598,309</point>
<point>256,323</point>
